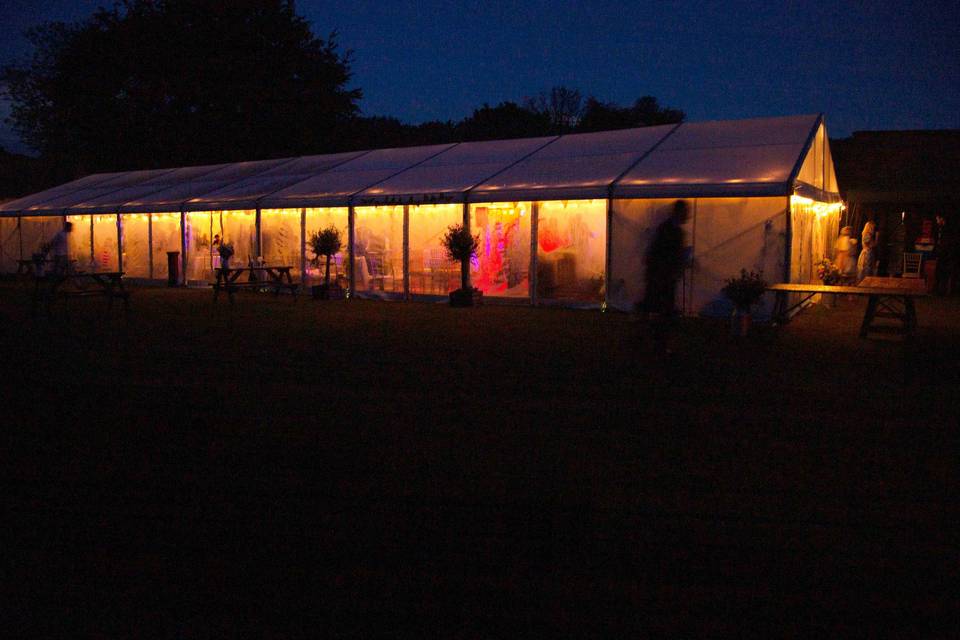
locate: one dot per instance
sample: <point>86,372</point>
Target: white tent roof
<point>335,187</point>
<point>581,165</point>
<point>448,176</point>
<point>721,158</point>
<point>246,193</point>
<point>757,157</point>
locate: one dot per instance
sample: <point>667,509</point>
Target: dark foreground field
<point>363,469</point>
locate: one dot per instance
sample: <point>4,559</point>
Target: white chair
<point>912,264</point>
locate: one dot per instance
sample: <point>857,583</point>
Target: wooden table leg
<point>868,315</point>
<point>911,314</point>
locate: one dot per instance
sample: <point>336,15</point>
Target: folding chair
<point>912,264</point>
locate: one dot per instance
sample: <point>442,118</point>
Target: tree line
<point>163,83</point>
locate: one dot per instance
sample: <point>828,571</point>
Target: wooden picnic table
<point>886,298</point>
<point>29,267</point>
<point>80,284</point>
<point>273,277</point>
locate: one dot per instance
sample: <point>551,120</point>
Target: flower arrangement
<point>745,290</point>
<point>828,272</point>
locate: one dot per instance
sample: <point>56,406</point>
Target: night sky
<point>871,65</point>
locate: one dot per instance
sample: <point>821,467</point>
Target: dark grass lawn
<point>362,469</point>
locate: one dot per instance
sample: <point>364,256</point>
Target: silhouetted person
<point>946,253</point>
<point>664,262</point>
<point>867,263</point>
<point>846,254</point>
<point>60,248</point>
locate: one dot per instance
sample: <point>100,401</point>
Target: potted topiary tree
<point>744,292</point>
<point>325,243</point>
<point>460,247</point>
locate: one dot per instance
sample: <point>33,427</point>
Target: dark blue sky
<point>870,65</point>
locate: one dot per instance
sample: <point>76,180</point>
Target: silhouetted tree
<point>561,105</point>
<point>607,116</point>
<point>504,121</point>
<point>170,82</point>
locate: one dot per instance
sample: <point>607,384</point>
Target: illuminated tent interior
<point>561,219</point>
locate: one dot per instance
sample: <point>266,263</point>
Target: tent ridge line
<point>734,146</point>
<point>165,187</point>
<point>633,165</point>
<point>230,184</point>
<point>64,210</point>
<point>466,193</point>
<point>19,212</point>
<point>350,198</point>
<point>312,175</point>
<point>805,149</point>
<point>67,208</point>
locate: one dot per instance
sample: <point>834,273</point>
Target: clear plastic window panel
<point>199,235</point>
<point>571,250</point>
<point>318,219</point>
<point>79,241</point>
<point>431,271</point>
<point>166,238</point>
<point>135,233</point>
<point>37,230</point>
<point>105,248</point>
<point>280,237</point>
<point>240,229</point>
<point>378,250</point>
<point>207,230</point>
<point>502,264</point>
<point>9,245</point>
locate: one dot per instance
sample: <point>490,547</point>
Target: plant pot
<point>332,291</point>
<point>740,323</point>
<point>466,298</point>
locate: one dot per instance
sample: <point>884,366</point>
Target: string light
<point>821,209</point>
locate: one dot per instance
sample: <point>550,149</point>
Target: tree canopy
<point>166,82</point>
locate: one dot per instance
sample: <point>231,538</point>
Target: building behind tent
<point>560,219</point>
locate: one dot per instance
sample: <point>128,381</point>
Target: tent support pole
<point>788,258</point>
<point>119,245</point>
<point>465,266</point>
<point>259,241</point>
<point>92,250</point>
<point>406,252</point>
<point>303,245</point>
<point>351,219</point>
<point>150,245</point>
<point>608,259</point>
<point>20,236</point>
<point>534,230</point>
<point>183,248</point>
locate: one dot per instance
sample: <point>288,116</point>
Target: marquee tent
<point>561,219</point>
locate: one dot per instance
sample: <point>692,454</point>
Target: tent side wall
<point>9,244</point>
<point>726,235</point>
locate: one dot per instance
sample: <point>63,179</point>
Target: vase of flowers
<point>744,292</point>
<point>830,275</point>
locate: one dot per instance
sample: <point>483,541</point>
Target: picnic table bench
<point>30,267</point>
<point>886,298</point>
<point>276,278</point>
<point>81,284</point>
